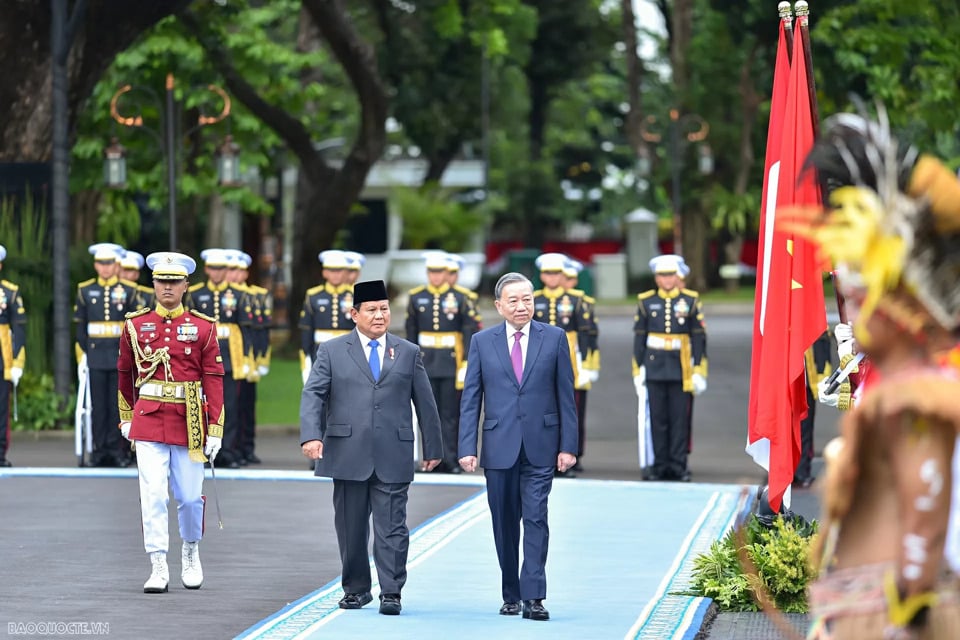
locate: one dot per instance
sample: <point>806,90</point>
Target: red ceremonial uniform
<point>171,348</point>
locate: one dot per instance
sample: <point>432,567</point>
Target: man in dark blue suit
<point>520,373</point>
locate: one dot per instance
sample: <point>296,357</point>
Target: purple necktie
<point>516,356</point>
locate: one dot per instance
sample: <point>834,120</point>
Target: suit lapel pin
<point>391,353</point>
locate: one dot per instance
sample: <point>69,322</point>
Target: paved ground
<point>77,549</point>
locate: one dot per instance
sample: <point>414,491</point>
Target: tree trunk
<point>634,77</point>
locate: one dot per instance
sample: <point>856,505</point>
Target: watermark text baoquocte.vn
<point>58,628</point>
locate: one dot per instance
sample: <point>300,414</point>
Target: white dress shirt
<point>524,340</point>
<point>365,342</point>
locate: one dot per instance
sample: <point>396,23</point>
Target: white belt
<point>108,329</point>
<point>322,335</point>
<point>223,331</point>
<point>664,344</point>
<point>163,389</point>
<point>433,341</point>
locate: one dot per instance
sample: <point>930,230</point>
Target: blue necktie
<point>374,360</point>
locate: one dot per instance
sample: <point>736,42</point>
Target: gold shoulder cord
<point>147,364</point>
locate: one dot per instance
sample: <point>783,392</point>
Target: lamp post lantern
<point>115,156</point>
<point>680,131</point>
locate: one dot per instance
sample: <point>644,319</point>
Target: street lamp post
<point>115,170</point>
<point>680,131</point>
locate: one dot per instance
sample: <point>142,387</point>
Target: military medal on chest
<point>188,332</point>
<point>565,309</point>
<point>3,299</point>
<point>228,303</point>
<point>682,309</point>
<point>346,302</point>
<point>118,297</point>
<point>449,305</point>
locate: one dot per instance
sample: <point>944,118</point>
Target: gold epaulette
<point>258,289</point>
<point>577,292</point>
<point>467,292</point>
<point>422,287</point>
<point>9,285</point>
<point>129,283</point>
<point>589,299</point>
<point>138,312</point>
<point>316,289</point>
<point>144,288</point>
<point>690,292</point>
<point>538,292</point>
<point>202,315</point>
<point>86,283</point>
<point>197,287</point>
<point>646,294</point>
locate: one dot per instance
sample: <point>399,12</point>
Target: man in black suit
<point>364,382</point>
<point>520,372</point>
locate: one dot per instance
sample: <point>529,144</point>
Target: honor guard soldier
<point>130,266</point>
<point>230,307</point>
<point>326,308</point>
<point>171,404</point>
<point>455,264</point>
<point>355,262</point>
<point>818,367</point>
<point>441,320</point>
<point>13,352</point>
<point>553,304</point>
<point>101,305</point>
<point>669,351</point>
<point>591,359</point>
<point>258,357</point>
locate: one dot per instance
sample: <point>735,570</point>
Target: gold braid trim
<point>194,406</point>
<point>6,349</point>
<point>147,364</point>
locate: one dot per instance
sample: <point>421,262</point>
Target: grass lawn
<point>278,394</point>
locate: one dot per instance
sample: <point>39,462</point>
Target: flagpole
<point>786,17</point>
<point>803,19</point>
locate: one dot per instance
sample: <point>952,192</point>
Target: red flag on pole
<point>789,312</point>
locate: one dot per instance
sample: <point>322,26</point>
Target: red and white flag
<point>789,312</point>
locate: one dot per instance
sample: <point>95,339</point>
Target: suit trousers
<point>156,461</point>
<point>5,391</point>
<point>581,398</point>
<point>445,393</point>
<point>669,427</point>
<point>515,494</point>
<point>353,502</point>
<point>247,407</point>
<point>105,417</point>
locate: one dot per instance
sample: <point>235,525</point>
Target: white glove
<point>307,365</point>
<point>462,374</point>
<point>583,378</point>
<point>843,332</point>
<point>125,430</point>
<point>845,348</point>
<point>640,380</point>
<point>594,375</point>
<point>82,367</point>
<point>829,399</point>
<point>15,374</point>
<point>699,384</point>
<point>212,447</point>
<point>246,370</point>
<point>263,370</point>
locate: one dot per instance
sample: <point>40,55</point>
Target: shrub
<point>779,554</point>
<point>38,405</point>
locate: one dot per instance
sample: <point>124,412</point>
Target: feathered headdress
<point>894,218</point>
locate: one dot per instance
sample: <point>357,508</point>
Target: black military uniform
<point>100,309</point>
<point>670,343</point>
<point>818,366</point>
<point>13,319</point>
<point>231,308</point>
<point>442,320</point>
<point>259,363</point>
<point>325,315</point>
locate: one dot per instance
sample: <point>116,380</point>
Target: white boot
<point>191,574</point>
<point>160,575</point>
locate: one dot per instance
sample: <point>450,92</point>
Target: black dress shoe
<point>355,600</point>
<point>686,476</point>
<point>578,467</point>
<point>455,470</point>
<point>804,483</point>
<point>534,610</point>
<point>510,609</point>
<point>5,463</point>
<point>564,474</point>
<point>390,604</point>
<point>252,458</point>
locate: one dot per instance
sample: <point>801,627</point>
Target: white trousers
<point>157,463</point>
